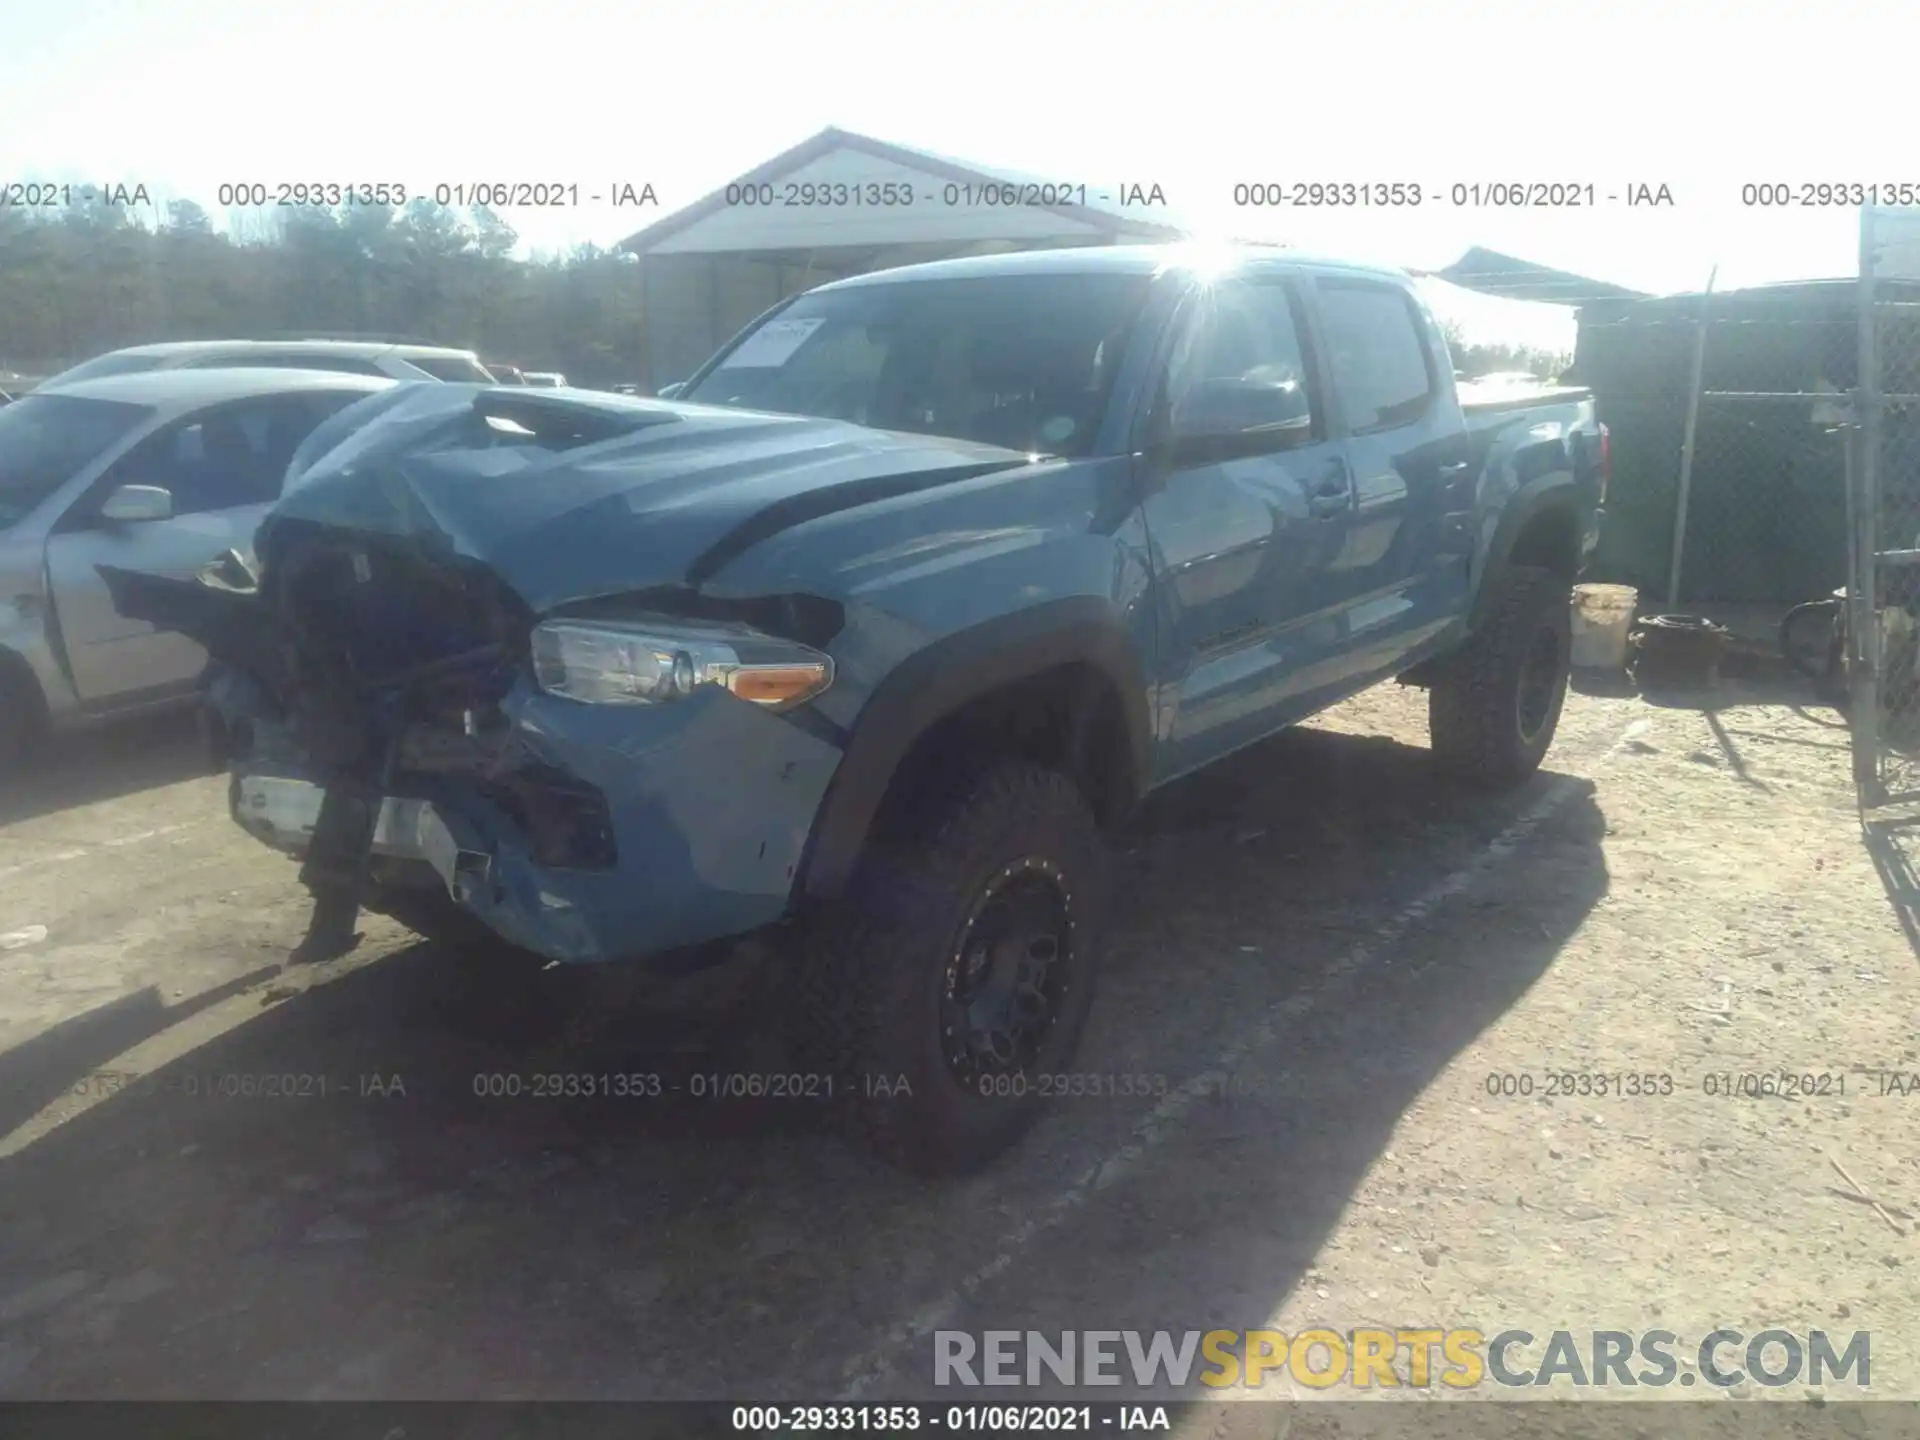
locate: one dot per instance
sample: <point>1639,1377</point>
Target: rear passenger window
<point>1377,353</point>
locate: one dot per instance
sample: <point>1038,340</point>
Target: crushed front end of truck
<point>409,705</point>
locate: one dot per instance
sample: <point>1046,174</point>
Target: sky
<point>1698,96</point>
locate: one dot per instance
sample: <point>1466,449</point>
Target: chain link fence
<point>1730,430</point>
<point>1883,613</point>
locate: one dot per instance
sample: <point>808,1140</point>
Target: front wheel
<point>1494,706</point>
<point>950,985</point>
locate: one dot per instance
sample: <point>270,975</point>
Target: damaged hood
<point>566,497</point>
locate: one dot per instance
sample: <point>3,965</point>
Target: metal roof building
<point>842,204</point>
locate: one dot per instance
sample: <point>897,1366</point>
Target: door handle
<point>1331,497</point>
<point>1454,470</point>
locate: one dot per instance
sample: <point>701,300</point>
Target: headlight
<point>620,663</point>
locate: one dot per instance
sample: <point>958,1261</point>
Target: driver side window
<point>217,459</point>
<point>1241,366</point>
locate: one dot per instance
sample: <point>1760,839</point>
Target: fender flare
<point>1557,493</point>
<point>934,683</point>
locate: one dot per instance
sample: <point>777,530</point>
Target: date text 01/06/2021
<point>490,194</point>
<point>1477,194</point>
<point>1837,1082</point>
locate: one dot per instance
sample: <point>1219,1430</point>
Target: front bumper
<point>710,803</point>
<point>281,811</point>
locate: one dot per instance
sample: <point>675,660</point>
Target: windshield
<point>1021,361</point>
<point>459,369</point>
<point>104,365</point>
<point>46,439</point>
<point>342,424</point>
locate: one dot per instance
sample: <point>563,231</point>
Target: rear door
<point>223,466</point>
<point>1244,540</point>
<point>1402,574</point>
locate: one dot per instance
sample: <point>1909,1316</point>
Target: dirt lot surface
<point>1326,963</point>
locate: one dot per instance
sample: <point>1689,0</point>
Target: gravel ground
<point>1328,962</point>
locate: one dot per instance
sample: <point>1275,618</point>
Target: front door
<point>1245,532</point>
<point>223,467</point>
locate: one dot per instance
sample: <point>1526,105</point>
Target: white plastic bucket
<point>1602,616</point>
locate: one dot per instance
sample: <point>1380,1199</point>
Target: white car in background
<point>163,471</point>
<point>351,357</point>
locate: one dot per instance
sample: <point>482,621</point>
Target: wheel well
<point>1068,718</point>
<point>1550,540</point>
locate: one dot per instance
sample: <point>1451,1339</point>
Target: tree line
<point>80,279</point>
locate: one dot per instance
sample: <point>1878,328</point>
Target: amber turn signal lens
<point>778,684</point>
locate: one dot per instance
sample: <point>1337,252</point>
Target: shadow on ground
<point>1225,1227</point>
<point>88,767</point>
<point>338,1197</point>
<point>1894,846</point>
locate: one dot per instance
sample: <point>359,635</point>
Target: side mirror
<point>667,392</point>
<point>1240,414</point>
<point>133,503</point>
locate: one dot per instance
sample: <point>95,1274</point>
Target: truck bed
<point>1478,399</point>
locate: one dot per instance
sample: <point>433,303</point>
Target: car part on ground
<point>1679,652</point>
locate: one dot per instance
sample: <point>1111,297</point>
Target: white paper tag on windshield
<point>772,344</point>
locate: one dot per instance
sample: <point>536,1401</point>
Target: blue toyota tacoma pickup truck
<point>875,631</point>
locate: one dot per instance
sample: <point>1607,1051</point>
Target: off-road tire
<point>1477,709</point>
<point>874,965</point>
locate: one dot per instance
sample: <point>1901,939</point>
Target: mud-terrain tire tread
<point>1472,706</point>
<point>870,957</point>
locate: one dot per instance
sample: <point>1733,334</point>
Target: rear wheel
<point>960,968</point>
<point>1495,704</point>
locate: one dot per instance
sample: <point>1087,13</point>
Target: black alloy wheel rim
<point>1007,974</point>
